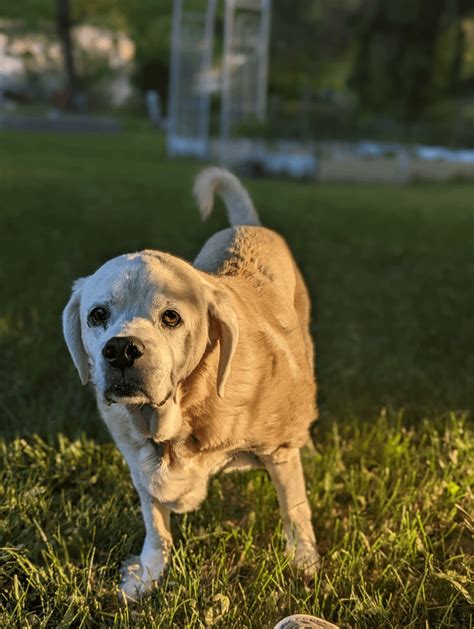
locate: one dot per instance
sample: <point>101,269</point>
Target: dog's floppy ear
<point>224,318</point>
<point>72,332</point>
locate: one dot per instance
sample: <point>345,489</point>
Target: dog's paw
<point>138,576</point>
<point>306,558</point>
<point>132,586</point>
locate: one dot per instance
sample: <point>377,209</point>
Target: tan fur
<point>270,394</point>
<point>233,388</point>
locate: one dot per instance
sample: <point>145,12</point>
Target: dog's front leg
<point>139,573</point>
<point>286,472</point>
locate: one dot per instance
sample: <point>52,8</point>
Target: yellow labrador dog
<point>200,368</point>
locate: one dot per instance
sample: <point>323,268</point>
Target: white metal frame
<point>196,140</point>
<point>196,144</point>
<point>263,7</point>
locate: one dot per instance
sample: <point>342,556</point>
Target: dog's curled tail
<point>219,181</point>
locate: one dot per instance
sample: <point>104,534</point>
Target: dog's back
<point>247,250</point>
<point>256,263</point>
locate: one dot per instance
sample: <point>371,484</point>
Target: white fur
<point>238,203</point>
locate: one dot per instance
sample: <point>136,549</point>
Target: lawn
<point>391,271</point>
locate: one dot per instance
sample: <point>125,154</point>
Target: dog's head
<point>140,325</point>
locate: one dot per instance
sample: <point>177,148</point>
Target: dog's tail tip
<point>203,190</point>
<point>219,181</point>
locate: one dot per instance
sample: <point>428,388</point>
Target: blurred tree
<point>148,23</point>
<point>409,53</point>
<point>311,44</point>
<point>31,13</point>
<point>152,34</point>
<point>39,15</point>
<point>64,25</point>
<point>397,56</point>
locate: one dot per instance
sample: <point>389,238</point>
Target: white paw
<point>131,585</point>
<point>306,557</point>
<point>138,577</point>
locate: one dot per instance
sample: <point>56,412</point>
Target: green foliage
<point>31,12</point>
<point>391,510</point>
<point>409,54</point>
<point>310,46</point>
<point>109,13</point>
<point>153,54</point>
<point>396,57</point>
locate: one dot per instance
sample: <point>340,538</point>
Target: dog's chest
<point>178,482</point>
<point>177,479</point>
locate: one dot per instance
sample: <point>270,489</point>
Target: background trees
<point>399,57</point>
<point>410,53</point>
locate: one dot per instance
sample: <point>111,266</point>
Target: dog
<point>201,368</point>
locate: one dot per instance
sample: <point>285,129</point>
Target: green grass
<point>391,270</point>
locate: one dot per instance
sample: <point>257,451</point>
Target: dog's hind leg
<point>286,472</point>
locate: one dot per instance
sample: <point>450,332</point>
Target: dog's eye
<point>171,318</point>
<point>98,316</point>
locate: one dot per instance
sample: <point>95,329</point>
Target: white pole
<point>205,68</point>
<point>263,54</point>
<point>173,95</point>
<point>226,78</point>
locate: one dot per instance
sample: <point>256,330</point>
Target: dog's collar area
<point>158,446</point>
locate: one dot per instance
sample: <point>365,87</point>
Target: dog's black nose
<point>122,351</point>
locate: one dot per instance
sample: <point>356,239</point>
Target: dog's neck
<point>198,401</point>
<point>198,406</point>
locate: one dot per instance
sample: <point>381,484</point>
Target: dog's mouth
<point>126,393</point>
<point>145,412</point>
<point>133,395</point>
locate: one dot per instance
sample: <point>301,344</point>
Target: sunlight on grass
<point>6,328</point>
<point>70,516</point>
